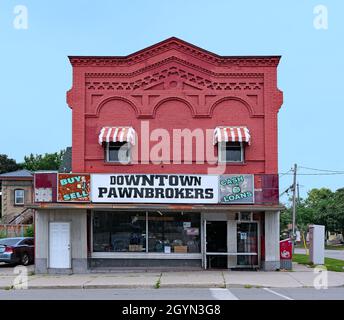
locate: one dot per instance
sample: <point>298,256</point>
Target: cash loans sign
<point>236,189</point>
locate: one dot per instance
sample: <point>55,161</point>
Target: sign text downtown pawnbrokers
<point>154,188</point>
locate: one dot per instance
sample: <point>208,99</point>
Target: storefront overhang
<point>232,134</point>
<point>117,134</point>
<point>145,207</point>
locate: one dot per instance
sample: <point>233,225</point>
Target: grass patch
<point>158,282</point>
<point>331,247</point>
<point>330,264</point>
<point>327,247</point>
<point>247,286</point>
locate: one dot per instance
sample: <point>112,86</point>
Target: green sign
<point>236,188</point>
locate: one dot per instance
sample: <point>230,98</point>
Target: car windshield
<point>9,241</point>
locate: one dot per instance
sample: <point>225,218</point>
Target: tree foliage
<point>321,206</point>
<point>47,161</point>
<point>7,164</point>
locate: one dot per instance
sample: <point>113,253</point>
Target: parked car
<point>19,250</point>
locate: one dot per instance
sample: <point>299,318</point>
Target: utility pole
<point>294,205</point>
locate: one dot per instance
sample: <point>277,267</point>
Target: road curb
<point>189,285</point>
<point>167,286</point>
<point>53,287</point>
<point>118,286</point>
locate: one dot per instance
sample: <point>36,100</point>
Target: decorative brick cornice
<point>179,61</point>
<point>178,45</point>
<point>201,82</point>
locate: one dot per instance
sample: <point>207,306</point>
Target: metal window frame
<point>241,220</point>
<point>221,152</point>
<point>205,253</point>
<point>107,154</point>
<point>146,254</point>
<point>15,197</point>
<point>258,243</point>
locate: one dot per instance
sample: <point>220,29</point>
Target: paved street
<point>335,254</point>
<point>176,294</point>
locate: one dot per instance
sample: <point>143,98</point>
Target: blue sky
<point>35,71</point>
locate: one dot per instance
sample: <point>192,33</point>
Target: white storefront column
<point>41,241</point>
<point>272,239</point>
<point>232,241</point>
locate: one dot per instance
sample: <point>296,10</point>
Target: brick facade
<point>174,85</point>
<point>9,209</point>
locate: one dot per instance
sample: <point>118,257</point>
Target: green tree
<point>322,206</point>
<point>321,202</point>
<point>337,209</point>
<point>47,161</point>
<point>29,232</point>
<point>7,164</point>
<point>285,219</point>
<point>305,215</point>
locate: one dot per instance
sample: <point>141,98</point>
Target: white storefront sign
<point>154,188</point>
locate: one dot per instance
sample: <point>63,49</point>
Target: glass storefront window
<point>168,232</point>
<point>173,232</point>
<point>247,242</point>
<point>119,231</point>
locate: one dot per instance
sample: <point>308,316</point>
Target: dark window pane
<point>247,242</point>
<point>19,196</point>
<point>174,232</point>
<point>119,231</point>
<point>119,152</point>
<point>27,242</point>
<point>233,151</point>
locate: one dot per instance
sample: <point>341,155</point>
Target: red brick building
<point>171,118</point>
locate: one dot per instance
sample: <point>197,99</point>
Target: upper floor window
<point>231,152</point>
<point>19,196</point>
<point>117,142</point>
<point>231,142</point>
<point>119,152</point>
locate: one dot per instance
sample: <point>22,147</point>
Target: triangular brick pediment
<point>177,45</point>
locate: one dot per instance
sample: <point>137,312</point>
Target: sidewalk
<point>301,277</point>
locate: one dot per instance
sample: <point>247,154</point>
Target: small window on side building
<point>19,196</point>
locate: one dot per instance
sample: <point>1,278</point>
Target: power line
<point>285,173</point>
<point>316,174</point>
<point>324,170</point>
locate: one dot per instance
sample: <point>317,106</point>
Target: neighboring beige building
<point>16,193</point>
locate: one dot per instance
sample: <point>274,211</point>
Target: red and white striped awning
<point>232,134</point>
<point>117,134</point>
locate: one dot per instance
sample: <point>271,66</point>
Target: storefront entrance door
<point>247,243</point>
<point>59,245</point>
<point>216,235</point>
